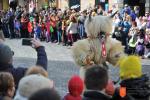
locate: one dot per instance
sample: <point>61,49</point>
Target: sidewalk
<point>146,62</point>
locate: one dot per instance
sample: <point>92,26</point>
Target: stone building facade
<point>4,4</point>
<point>147,6</point>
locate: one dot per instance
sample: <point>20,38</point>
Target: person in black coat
<point>132,78</point>
<point>96,79</point>
<point>6,60</point>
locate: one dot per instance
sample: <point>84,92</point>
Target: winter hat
<point>32,83</point>
<point>6,53</point>
<point>130,67</point>
<point>75,86</point>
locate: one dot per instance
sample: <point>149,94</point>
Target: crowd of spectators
<point>67,27</point>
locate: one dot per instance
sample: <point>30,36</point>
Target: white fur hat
<point>32,83</point>
<point>97,24</point>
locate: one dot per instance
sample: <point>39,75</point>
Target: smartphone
<point>26,42</point>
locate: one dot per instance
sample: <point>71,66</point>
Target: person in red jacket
<point>30,28</point>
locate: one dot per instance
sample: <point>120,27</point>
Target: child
<point>7,86</point>
<point>47,31</point>
<point>30,28</point>
<point>140,49</point>
<point>75,87</point>
<point>43,28</point>
<point>17,28</point>
<point>132,38</point>
<point>37,31</point>
<point>37,70</point>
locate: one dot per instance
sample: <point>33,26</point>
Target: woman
<point>24,28</point>
<point>72,30</point>
<point>64,26</point>
<point>132,38</point>
<point>7,86</point>
<point>140,49</point>
<point>126,28</point>
<point>53,29</point>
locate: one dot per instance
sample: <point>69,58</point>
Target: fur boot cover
<point>99,47</point>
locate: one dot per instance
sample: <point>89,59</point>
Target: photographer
<point>6,60</point>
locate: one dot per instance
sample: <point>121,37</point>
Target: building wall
<point>40,3</point>
<point>117,3</point>
<point>147,6</point>
<point>62,4</point>
<point>86,4</point>
<point>1,4</point>
<point>5,4</point>
<point>21,2</point>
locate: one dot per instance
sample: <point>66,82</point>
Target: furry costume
<point>99,47</point>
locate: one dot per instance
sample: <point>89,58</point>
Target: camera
<point>26,42</point>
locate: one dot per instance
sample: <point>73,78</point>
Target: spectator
<point>30,28</point>
<point>144,23</point>
<point>53,27</point>
<point>45,94</point>
<point>72,30</point>
<point>7,86</point>
<point>75,87</point>
<point>11,17</point>
<point>59,29</point>
<point>126,28</point>
<point>140,49</point>
<point>37,31</point>
<point>133,80</point>
<point>2,38</point>
<point>96,79</point>
<point>64,28</point>
<point>24,26</point>
<point>37,70</point>
<point>31,84</point>
<point>6,62</point>
<point>127,9</point>
<point>133,15</point>
<point>132,38</point>
<point>81,21</point>
<point>147,43</point>
<point>139,22</point>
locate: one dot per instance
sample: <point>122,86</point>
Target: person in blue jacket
<point>6,60</point>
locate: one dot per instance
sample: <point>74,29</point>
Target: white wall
<point>86,4</point>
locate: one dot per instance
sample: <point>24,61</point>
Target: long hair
<point>73,19</point>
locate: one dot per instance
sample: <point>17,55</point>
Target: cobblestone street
<point>60,66</point>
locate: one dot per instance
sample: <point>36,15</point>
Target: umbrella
<point>75,6</point>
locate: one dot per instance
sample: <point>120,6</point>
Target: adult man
<point>96,79</point>
<point>6,60</point>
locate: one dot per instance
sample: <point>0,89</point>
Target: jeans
<point>81,30</point>
<point>59,35</point>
